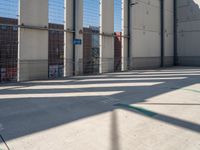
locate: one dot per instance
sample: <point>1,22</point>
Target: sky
<point>91,9</point>
<point>8,8</point>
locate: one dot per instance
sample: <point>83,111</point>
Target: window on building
<point>3,27</point>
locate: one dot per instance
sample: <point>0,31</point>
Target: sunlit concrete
<point>74,94</point>
<point>145,28</point>
<point>81,113</point>
<point>78,35</point>
<point>68,38</point>
<point>124,34</point>
<point>33,42</point>
<point>188,20</point>
<point>83,86</point>
<point>133,79</point>
<point>106,38</point>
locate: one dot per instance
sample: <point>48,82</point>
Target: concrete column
<point>68,38</point>
<point>79,35</point>
<point>106,40</point>
<point>33,43</point>
<point>124,34</point>
<point>73,54</point>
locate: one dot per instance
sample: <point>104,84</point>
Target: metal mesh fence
<point>118,35</point>
<point>8,40</point>
<point>56,38</point>
<point>91,38</point>
<point>91,25</point>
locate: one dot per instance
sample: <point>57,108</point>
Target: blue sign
<point>77,42</point>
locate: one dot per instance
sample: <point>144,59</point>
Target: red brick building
<point>117,51</point>
<point>90,50</point>
<point>56,50</point>
<point>9,50</point>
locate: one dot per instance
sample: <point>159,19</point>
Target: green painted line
<point>192,90</point>
<point>139,109</point>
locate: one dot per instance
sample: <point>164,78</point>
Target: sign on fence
<point>77,42</point>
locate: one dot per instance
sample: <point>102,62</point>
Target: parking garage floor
<point>136,110</point>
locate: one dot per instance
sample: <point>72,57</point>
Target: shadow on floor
<point>24,116</point>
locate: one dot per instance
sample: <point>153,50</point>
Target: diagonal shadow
<point>172,104</point>
<point>166,119</point>
<point>24,116</point>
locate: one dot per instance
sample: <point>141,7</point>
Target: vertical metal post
<point>175,33</point>
<point>0,71</point>
<point>129,25</point>
<point>74,36</point>
<point>162,31</point>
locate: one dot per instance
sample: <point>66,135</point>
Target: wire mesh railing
<point>56,51</point>
<point>118,34</point>
<point>91,38</point>
<point>56,38</point>
<point>91,26</point>
<point>8,40</point>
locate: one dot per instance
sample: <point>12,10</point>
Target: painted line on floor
<point>192,90</point>
<point>138,109</point>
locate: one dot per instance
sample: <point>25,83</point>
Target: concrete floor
<point>137,110</point>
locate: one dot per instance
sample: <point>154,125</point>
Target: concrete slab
<point>81,112</point>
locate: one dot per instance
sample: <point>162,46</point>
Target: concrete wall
<point>188,23</point>
<point>146,34</point>
<point>106,38</point>
<point>33,43</point>
<point>168,32</point>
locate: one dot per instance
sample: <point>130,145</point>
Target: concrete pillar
<point>73,54</point>
<point>124,34</point>
<point>79,35</point>
<point>33,43</point>
<point>68,38</point>
<point>106,38</point>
